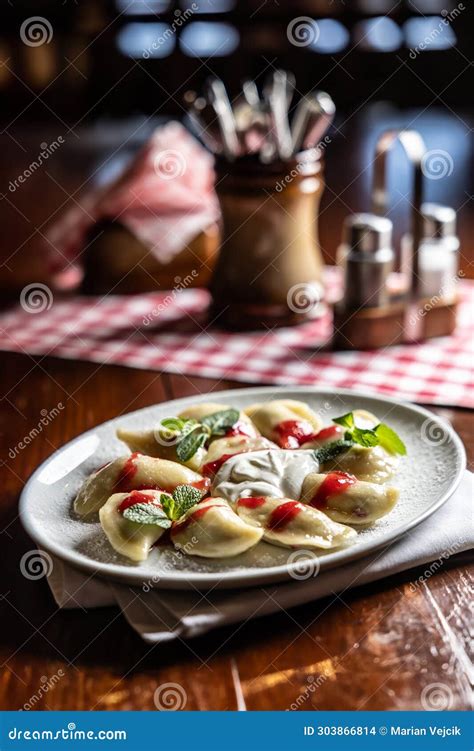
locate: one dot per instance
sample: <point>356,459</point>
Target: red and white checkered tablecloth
<point>170,332</point>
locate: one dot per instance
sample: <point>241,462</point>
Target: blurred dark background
<point>103,57</point>
<point>102,73</point>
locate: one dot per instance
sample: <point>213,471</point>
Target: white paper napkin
<point>161,615</point>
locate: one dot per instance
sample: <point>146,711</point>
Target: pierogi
<point>211,529</point>
<point>368,464</point>
<point>346,499</point>
<point>218,485</point>
<point>129,538</point>
<point>292,524</point>
<point>287,422</point>
<point>133,472</point>
<point>152,442</point>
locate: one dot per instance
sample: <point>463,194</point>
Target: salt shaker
<point>438,256</point>
<point>366,256</point>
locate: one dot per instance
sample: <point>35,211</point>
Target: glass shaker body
<point>438,264</point>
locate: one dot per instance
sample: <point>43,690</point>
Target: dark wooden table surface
<point>376,647</point>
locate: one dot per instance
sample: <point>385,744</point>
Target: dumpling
<point>292,524</point>
<point>369,464</point>
<point>151,443</point>
<point>287,422</point>
<point>223,448</point>
<point>133,472</point>
<point>129,538</point>
<point>244,425</point>
<point>346,499</point>
<point>212,530</point>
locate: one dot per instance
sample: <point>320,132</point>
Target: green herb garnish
<point>381,435</point>
<point>147,513</point>
<point>191,435</point>
<point>219,422</point>
<point>172,507</point>
<point>331,450</point>
<point>190,443</point>
<point>181,501</point>
<point>389,440</point>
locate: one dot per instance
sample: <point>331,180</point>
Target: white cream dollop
<point>276,473</point>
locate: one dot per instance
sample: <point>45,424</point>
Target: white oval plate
<point>427,478</point>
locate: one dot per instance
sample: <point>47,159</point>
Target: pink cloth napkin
<point>165,197</point>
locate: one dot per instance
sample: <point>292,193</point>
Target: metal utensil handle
<point>414,148</point>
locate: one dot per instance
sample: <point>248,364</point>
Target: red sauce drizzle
<point>251,502</point>
<point>292,433</point>
<point>211,468</point>
<point>283,514</point>
<point>334,483</point>
<point>198,514</point>
<point>136,497</point>
<point>333,431</point>
<point>127,473</point>
<point>203,484</point>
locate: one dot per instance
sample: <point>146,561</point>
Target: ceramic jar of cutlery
<point>269,268</point>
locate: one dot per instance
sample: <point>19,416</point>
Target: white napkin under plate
<point>161,615</point>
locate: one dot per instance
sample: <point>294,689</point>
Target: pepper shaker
<point>367,258</point>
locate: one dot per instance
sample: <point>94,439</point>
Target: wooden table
<point>375,647</point>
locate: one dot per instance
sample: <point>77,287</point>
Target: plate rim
<point>251,578</point>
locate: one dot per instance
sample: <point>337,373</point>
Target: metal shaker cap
<point>438,221</point>
<point>367,233</point>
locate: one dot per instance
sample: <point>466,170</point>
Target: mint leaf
<point>389,440</point>
<point>147,513</point>
<point>365,437</point>
<point>381,435</point>
<point>173,423</point>
<point>185,496</point>
<point>347,421</point>
<point>331,450</point>
<point>219,422</point>
<point>190,443</point>
<point>172,427</point>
